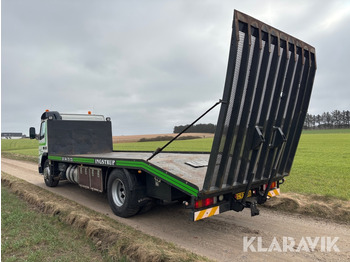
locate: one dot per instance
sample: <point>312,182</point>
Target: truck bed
<point>174,163</point>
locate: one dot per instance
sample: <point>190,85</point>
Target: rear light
<point>205,202</point>
<point>208,202</point>
<point>273,185</point>
<point>198,204</point>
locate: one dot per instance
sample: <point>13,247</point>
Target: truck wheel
<point>122,200</point>
<point>48,177</point>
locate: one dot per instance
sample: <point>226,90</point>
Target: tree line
<point>327,120</point>
<point>200,128</point>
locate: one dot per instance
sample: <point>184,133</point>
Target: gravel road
<point>227,237</point>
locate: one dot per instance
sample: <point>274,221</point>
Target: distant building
<point>10,135</point>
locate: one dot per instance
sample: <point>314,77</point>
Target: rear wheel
<point>49,178</point>
<point>122,200</point>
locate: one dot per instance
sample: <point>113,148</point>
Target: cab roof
<point>54,115</point>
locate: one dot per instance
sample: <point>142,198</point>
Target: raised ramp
<point>266,96</point>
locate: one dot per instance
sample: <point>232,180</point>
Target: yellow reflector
<point>206,213</point>
<point>274,192</point>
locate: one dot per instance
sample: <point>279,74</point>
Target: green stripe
<point>164,176</point>
<point>55,158</point>
<point>84,160</point>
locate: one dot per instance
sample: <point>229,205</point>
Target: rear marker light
<point>205,202</point>
<point>208,201</point>
<point>273,185</point>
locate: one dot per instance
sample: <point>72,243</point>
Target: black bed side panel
<point>68,137</point>
<point>266,96</point>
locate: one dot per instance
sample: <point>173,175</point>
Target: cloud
<point>148,66</point>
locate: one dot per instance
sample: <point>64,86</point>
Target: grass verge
<point>21,157</point>
<point>27,235</point>
<point>315,206</point>
<point>116,240</point>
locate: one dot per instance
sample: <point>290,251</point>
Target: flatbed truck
<point>266,95</point>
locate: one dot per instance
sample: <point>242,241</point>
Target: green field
<point>193,145</point>
<point>321,165</point>
<point>20,146</point>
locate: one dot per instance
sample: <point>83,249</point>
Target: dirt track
<point>220,237</point>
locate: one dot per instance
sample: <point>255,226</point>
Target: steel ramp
<point>266,95</point>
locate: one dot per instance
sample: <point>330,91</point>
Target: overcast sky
<point>150,65</point>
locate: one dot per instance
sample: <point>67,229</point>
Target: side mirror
<point>32,133</point>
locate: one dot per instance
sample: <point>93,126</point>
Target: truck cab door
<point>43,143</point>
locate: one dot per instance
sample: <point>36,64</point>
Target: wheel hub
<point>47,173</point>
<point>118,192</point>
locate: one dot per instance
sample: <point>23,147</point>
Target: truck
<point>266,95</point>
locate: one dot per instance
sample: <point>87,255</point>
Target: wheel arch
<point>43,159</point>
<point>131,175</point>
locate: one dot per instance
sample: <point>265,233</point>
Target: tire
<point>148,206</point>
<point>122,200</point>
<point>49,178</point>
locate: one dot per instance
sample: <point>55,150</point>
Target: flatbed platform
<point>190,167</point>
